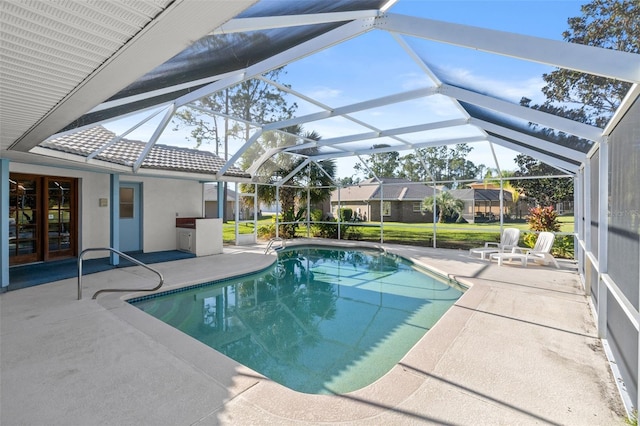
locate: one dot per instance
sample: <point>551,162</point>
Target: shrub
<point>543,219</point>
<point>352,233</point>
<point>546,219</point>
<point>267,231</point>
<point>563,247</point>
<point>316,215</point>
<point>346,214</point>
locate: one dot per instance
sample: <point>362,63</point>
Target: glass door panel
<point>24,220</point>
<point>42,218</point>
<point>60,202</point>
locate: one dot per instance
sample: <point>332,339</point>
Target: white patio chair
<point>541,251</point>
<point>508,240</point>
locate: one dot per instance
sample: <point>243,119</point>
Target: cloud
<point>324,93</point>
<point>509,90</point>
<point>414,80</point>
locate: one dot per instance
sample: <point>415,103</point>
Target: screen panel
<point>624,204</point>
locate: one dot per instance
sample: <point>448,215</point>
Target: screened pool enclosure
<point>409,82</point>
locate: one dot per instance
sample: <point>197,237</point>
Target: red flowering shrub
<point>541,219</point>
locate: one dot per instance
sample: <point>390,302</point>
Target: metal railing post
<point>126,256</point>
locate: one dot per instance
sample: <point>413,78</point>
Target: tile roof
<point>126,152</point>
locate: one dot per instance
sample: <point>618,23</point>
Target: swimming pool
<point>320,320</point>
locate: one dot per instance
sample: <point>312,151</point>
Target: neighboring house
<point>399,199</point>
<point>483,205</point>
<point>211,201</point>
<point>58,208</point>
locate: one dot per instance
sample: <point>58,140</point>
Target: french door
<point>42,218</point>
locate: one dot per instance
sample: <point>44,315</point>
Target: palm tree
<point>446,205</point>
<point>490,178</point>
<point>281,165</point>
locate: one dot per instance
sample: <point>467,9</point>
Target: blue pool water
<point>321,320</point>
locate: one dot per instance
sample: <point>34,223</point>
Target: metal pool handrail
<point>270,245</point>
<point>119,253</point>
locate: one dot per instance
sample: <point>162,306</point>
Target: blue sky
<point>375,65</point>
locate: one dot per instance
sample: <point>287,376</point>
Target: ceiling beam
<point>545,119</point>
<point>630,98</point>
<point>384,133</point>
<point>608,63</point>
<point>326,107</point>
<point>532,141</point>
<point>417,145</point>
<point>241,25</point>
<point>545,158</point>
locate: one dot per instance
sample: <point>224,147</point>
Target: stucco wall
<point>162,201</point>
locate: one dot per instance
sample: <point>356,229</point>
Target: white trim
<point>578,57</point>
<point>617,377</point>
<point>240,25</point>
<point>629,310</point>
<point>632,95</point>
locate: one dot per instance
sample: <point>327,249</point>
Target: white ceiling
<point>60,59</point>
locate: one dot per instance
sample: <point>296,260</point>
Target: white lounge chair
<point>541,251</point>
<point>508,240</point>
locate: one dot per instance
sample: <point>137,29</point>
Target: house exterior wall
<point>401,211</point>
<point>162,201</point>
<point>325,206</point>
<point>396,212</point>
<point>410,216</point>
<point>364,208</point>
<point>211,209</point>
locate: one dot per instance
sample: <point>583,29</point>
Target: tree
<point>380,164</point>
<point>318,177</point>
<point>444,164</point>
<point>490,178</point>
<point>612,24</point>
<point>254,101</point>
<point>545,191</point>
<point>446,205</point>
<point>348,181</point>
<point>411,168</point>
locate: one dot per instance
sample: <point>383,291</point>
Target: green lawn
<point>449,235</point>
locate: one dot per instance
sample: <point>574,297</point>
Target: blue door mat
<point>46,272</point>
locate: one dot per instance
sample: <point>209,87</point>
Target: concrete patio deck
<point>520,347</point>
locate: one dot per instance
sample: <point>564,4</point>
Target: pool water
<point>320,320</point>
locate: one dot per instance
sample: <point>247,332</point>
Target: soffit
<point>60,59</point>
